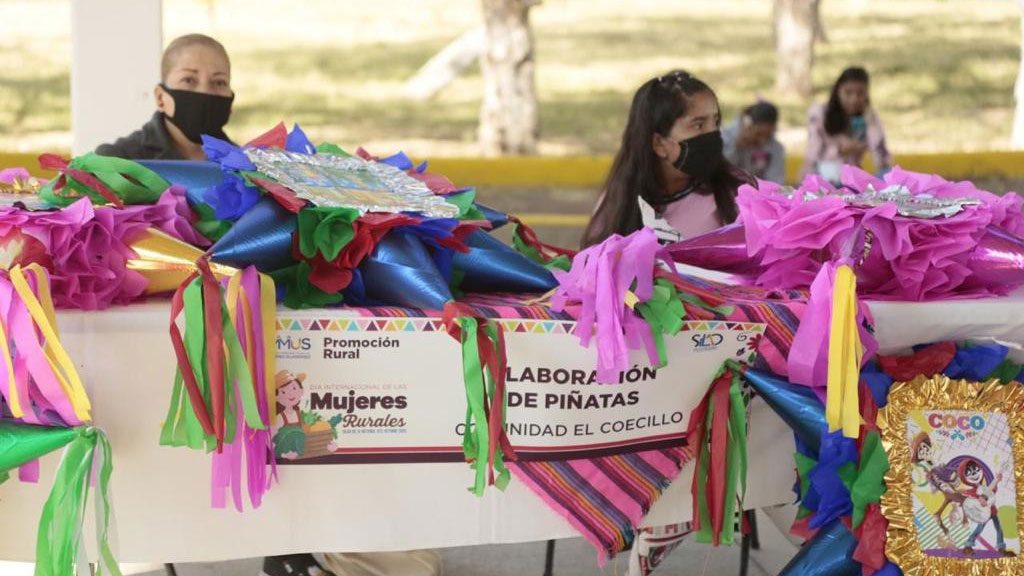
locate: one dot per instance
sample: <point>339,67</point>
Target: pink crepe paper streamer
<point>259,443</point>
<point>254,446</point>
<point>599,280</point>
<point>9,175</point>
<point>32,399</point>
<point>40,395</point>
<point>29,472</point>
<point>807,363</point>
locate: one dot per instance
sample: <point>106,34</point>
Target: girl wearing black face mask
<point>670,173</point>
<point>193,98</point>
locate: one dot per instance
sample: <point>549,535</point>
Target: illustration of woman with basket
<point>299,434</point>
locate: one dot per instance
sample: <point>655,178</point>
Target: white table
<point>162,494</point>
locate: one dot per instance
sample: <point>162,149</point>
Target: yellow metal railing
<point>590,171</point>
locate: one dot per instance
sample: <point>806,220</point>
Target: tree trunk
<point>508,115</point>
<point>444,67</point>
<point>819,28</point>
<point>211,15</point>
<point>1017,138</point>
<point>794,23</point>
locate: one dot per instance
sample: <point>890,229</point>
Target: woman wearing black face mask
<point>193,98</point>
<point>670,173</point>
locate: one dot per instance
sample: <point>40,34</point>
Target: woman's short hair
<point>187,41</point>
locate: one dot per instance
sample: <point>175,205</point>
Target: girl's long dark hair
<point>635,170</point>
<point>836,119</point>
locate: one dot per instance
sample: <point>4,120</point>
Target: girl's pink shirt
<point>690,216</point>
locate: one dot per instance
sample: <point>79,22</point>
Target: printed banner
<point>391,390</point>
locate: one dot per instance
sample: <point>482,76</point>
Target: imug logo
<point>707,341</point>
<point>290,344</point>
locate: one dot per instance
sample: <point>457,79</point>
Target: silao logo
<point>707,340</point>
<point>293,344</point>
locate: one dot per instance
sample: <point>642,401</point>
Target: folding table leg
<point>549,558</point>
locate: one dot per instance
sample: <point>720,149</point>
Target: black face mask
<point>197,113</point>
<point>700,156</point>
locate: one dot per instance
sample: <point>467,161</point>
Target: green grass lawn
<point>943,71</point>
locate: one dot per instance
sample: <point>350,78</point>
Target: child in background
<point>841,131</point>
<point>750,143</point>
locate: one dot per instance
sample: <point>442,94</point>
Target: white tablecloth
<point>902,324</point>
<point>162,494</point>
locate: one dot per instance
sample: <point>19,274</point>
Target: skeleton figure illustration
<point>942,478</point>
<point>978,489</point>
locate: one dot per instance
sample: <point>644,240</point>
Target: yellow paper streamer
<point>231,301</point>
<point>842,403</point>
<point>234,294</point>
<point>544,298</point>
<point>43,286</point>
<point>631,299</point>
<point>41,311</point>
<point>250,354</point>
<point>231,298</point>
<point>268,311</point>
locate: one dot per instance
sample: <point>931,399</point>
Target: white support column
<point>115,62</point>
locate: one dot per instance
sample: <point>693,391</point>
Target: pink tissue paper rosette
<point>909,258</point>
<point>90,246</point>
